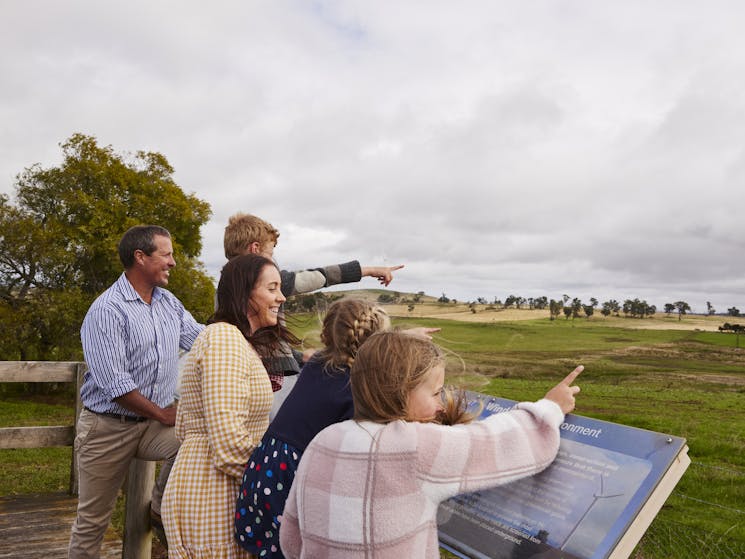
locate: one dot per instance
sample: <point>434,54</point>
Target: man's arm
<point>190,329</point>
<point>105,352</point>
<point>137,403</point>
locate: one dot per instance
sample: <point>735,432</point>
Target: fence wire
<point>667,539</point>
<point>671,539</point>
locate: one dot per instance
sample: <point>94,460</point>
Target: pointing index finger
<point>570,378</point>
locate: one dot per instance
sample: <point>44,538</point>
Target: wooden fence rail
<point>137,539</point>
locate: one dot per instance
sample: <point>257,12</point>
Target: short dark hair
<point>139,237</point>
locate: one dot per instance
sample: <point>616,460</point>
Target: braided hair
<point>347,324</point>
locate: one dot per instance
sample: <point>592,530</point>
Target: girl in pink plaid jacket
<point>370,486</point>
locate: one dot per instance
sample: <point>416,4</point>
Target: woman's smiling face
<point>265,300</point>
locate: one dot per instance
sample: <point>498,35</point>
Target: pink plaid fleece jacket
<point>371,490</point>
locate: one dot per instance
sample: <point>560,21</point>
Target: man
<point>131,338</point>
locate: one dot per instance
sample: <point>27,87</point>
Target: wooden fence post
<point>80,370</point>
<point>137,541</point>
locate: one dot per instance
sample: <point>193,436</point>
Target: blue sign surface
<point>578,508</point>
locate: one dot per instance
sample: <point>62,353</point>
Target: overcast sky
<point>593,148</point>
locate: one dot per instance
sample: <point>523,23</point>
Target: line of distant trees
<point>574,307</point>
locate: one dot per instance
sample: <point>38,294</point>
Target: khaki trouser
<point>105,447</point>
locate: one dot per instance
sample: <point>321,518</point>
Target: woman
<point>223,411</point>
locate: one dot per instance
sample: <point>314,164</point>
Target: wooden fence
<point>137,541</point>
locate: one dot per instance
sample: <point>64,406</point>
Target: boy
<point>247,233</point>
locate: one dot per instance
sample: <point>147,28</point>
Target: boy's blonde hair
<point>389,365</point>
<point>244,229</point>
<point>347,324</point>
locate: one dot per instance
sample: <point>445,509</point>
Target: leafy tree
<point>576,307</point>
<point>637,308</point>
<point>733,311</point>
<point>593,302</point>
<point>555,308</point>
<point>541,302</point>
<point>589,310</point>
<point>610,307</point>
<point>567,313</point>
<point>386,298</point>
<point>311,302</point>
<point>669,308</point>
<point>443,299</point>
<point>682,307</point>
<point>58,242</point>
<point>710,309</point>
<point>737,329</point>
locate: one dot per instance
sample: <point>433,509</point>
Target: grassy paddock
<point>689,383</point>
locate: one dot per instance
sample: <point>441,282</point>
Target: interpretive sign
<point>595,501</point>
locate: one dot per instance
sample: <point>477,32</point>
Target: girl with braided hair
<point>322,396</point>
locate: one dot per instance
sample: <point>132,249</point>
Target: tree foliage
<point>682,308</point>
<point>555,308</point>
<point>610,307</point>
<point>58,242</point>
<point>636,308</point>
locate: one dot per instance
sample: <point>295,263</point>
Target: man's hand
<point>168,416</point>
<point>139,405</point>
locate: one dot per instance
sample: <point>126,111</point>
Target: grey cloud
<point>589,149</point>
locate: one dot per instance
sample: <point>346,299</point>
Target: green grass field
<point>686,383</point>
<point>683,382</point>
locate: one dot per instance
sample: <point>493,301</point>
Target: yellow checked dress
<point>226,396</point>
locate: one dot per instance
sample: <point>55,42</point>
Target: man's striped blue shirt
<point>131,345</point>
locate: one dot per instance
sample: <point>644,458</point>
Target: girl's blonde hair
<point>388,367</point>
<point>455,408</point>
<point>347,324</point>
